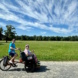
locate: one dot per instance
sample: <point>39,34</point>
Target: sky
<point>40,17</point>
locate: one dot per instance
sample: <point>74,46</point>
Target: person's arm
<point>13,48</point>
<point>26,52</point>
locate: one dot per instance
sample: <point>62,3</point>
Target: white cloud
<point>44,11</point>
<point>24,28</point>
<point>70,9</point>
<point>43,33</point>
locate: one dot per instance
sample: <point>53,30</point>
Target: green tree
<point>1,31</point>
<point>23,37</point>
<point>9,32</point>
<point>39,38</point>
<point>34,37</point>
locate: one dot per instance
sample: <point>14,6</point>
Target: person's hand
<point>32,51</point>
<point>17,48</point>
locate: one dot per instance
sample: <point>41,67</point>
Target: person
<point>12,52</point>
<point>28,52</point>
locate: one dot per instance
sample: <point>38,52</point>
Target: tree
<point>34,37</point>
<point>23,37</point>
<point>44,38</point>
<point>39,38</point>
<point>1,31</point>
<point>58,38</point>
<point>10,32</point>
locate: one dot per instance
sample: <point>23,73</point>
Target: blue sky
<point>40,17</point>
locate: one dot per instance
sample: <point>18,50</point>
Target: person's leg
<point>13,58</point>
<point>35,58</point>
<point>13,55</point>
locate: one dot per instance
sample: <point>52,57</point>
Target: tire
<point>4,68</point>
<point>30,68</point>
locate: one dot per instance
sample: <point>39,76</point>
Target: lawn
<point>47,50</point>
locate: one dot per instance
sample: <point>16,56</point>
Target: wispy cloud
<point>27,28</point>
<point>43,11</point>
<point>43,33</point>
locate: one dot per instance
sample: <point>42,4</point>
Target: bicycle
<point>28,61</point>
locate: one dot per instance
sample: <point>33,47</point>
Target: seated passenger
<point>28,52</point>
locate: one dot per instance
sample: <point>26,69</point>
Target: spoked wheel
<point>4,68</point>
<point>30,68</point>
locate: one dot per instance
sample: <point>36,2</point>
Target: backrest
<point>23,56</point>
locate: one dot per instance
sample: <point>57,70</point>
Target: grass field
<point>47,50</point>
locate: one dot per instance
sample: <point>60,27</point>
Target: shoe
<point>10,62</point>
<point>14,65</point>
<point>38,63</point>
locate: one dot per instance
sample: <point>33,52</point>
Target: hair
<point>13,39</point>
<point>27,45</point>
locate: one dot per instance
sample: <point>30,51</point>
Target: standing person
<point>12,52</point>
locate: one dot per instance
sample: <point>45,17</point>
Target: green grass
<point>47,50</point>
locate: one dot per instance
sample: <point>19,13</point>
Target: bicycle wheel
<point>4,68</point>
<point>30,68</point>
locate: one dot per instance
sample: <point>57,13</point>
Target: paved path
<point>48,70</point>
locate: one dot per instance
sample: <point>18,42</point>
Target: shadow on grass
<point>1,44</point>
<point>42,69</point>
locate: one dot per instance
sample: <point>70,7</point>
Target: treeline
<point>10,33</point>
<point>47,38</point>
